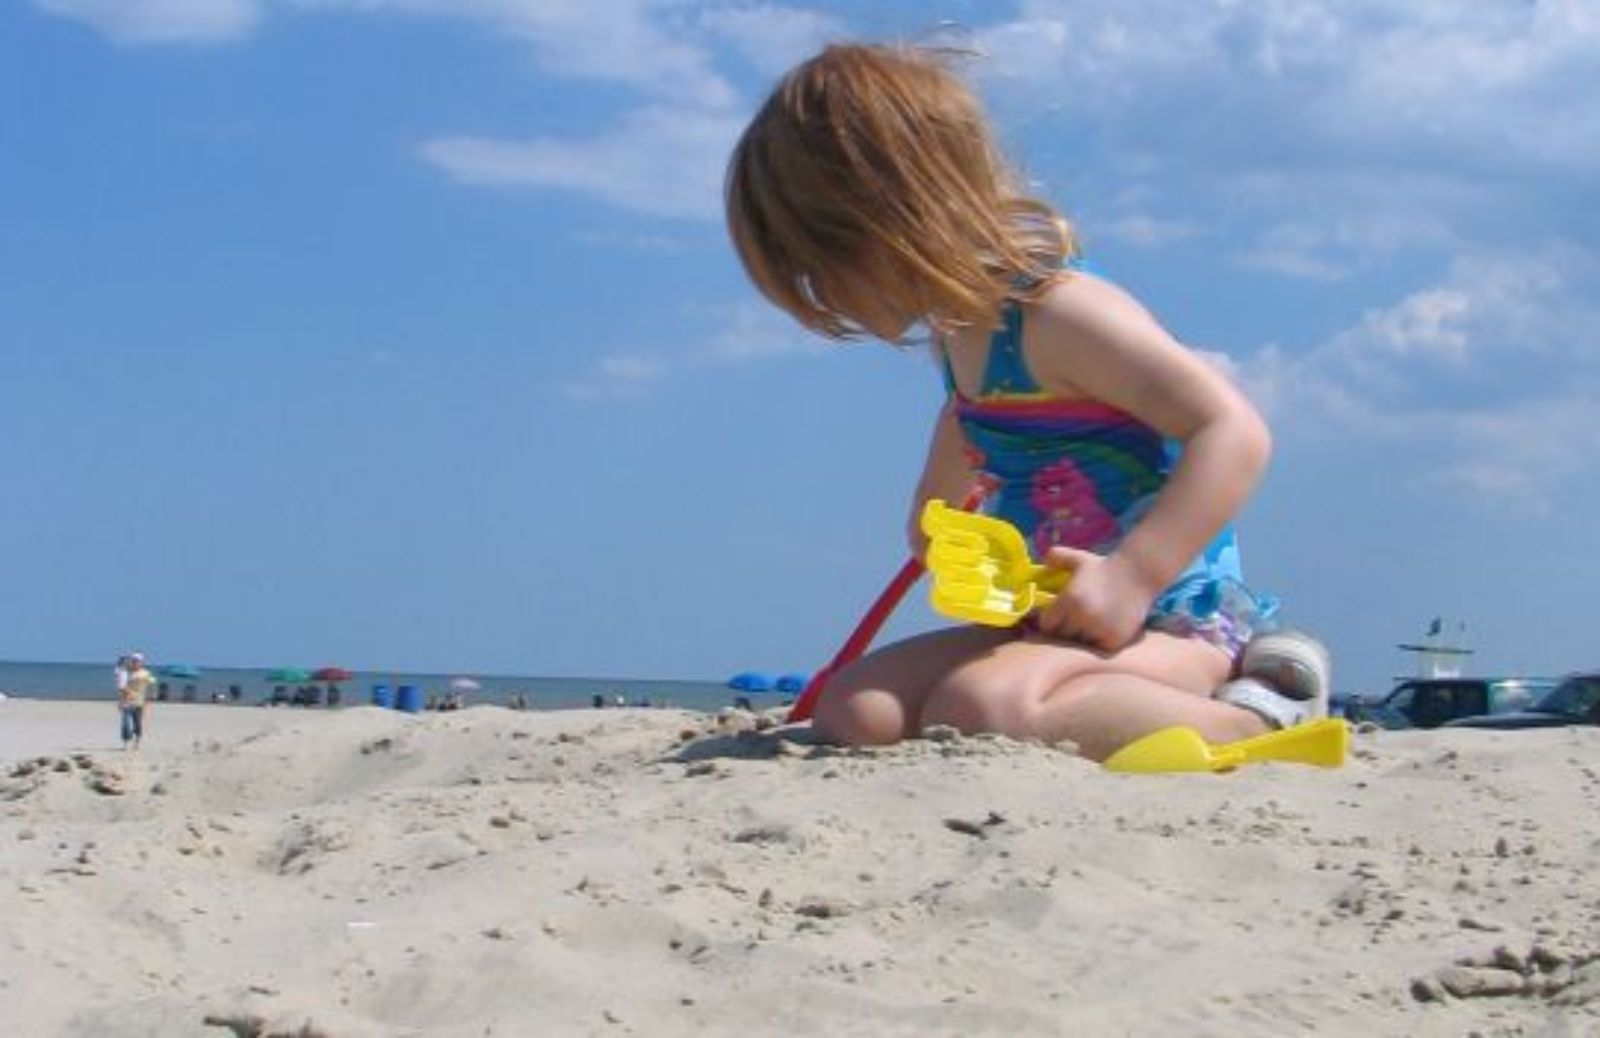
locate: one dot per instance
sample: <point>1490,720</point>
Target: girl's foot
<point>1284,677</point>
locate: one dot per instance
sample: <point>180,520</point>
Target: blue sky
<point>404,333</point>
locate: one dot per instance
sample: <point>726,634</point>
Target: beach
<point>654,872</point>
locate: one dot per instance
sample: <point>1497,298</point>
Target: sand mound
<point>654,873</point>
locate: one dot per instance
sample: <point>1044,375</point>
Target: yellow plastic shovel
<point>1322,742</point>
<point>981,568</point>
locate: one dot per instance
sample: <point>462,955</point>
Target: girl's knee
<point>862,717</point>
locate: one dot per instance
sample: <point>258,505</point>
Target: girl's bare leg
<point>878,699</point>
<point>1052,691</point>
<point>987,680</point>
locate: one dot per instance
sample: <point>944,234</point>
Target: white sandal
<point>1284,677</point>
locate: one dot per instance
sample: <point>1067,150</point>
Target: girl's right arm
<point>947,474</point>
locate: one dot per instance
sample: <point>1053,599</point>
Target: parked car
<point>1576,700</point>
<point>1432,702</point>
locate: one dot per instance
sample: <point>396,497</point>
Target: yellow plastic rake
<point>981,568</point>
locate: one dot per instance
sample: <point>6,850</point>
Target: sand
<point>276,872</point>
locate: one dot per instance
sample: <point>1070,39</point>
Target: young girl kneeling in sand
<point>868,196</point>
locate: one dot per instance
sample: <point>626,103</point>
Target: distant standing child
<point>133,698</point>
<point>867,197</point>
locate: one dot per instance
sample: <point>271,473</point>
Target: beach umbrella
<point>792,684</point>
<point>289,676</point>
<point>331,674</point>
<point>751,681</point>
<point>464,685</point>
<point>182,671</point>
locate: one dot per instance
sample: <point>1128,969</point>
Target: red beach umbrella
<point>331,674</point>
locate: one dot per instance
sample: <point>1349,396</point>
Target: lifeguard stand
<point>1436,658</point>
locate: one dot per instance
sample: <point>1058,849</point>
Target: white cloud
<point>636,42</point>
<point>1355,132</point>
<point>1467,74</point>
<point>1446,68</point>
<point>743,332</point>
<point>631,241</point>
<point>660,160</point>
<point>1490,319</point>
<point>617,377</point>
<point>1493,374</point>
<point>641,43</point>
<point>1145,231</point>
<point>770,36</point>
<point>1359,223</point>
<point>1293,252</point>
<point>1525,452</point>
<point>1431,323</point>
<point>161,21</point>
<point>752,330</point>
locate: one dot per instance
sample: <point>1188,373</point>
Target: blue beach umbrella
<point>751,681</point>
<point>181,671</point>
<point>792,684</point>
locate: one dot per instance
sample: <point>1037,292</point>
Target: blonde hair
<point>876,163</point>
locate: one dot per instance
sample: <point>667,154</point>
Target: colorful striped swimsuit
<point>1082,474</point>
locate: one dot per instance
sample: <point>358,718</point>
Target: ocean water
<point>94,681</point>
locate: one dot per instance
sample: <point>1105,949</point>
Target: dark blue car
<point>1434,702</point>
<point>1576,700</point>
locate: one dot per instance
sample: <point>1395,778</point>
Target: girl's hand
<point>1103,606</point>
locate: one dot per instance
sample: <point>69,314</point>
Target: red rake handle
<point>872,622</point>
<point>860,638</point>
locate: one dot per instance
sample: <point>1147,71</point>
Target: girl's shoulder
<point>1080,308</point>
<point>1086,336</point>
<point>1077,293</point>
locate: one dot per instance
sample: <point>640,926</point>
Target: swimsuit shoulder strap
<point>1006,369</point>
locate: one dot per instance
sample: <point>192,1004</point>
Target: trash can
<point>409,699</point>
<point>382,696</point>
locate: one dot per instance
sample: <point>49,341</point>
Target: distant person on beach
<point>868,197</point>
<point>133,699</point>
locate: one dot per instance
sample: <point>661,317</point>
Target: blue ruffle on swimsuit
<point>1081,474</point>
